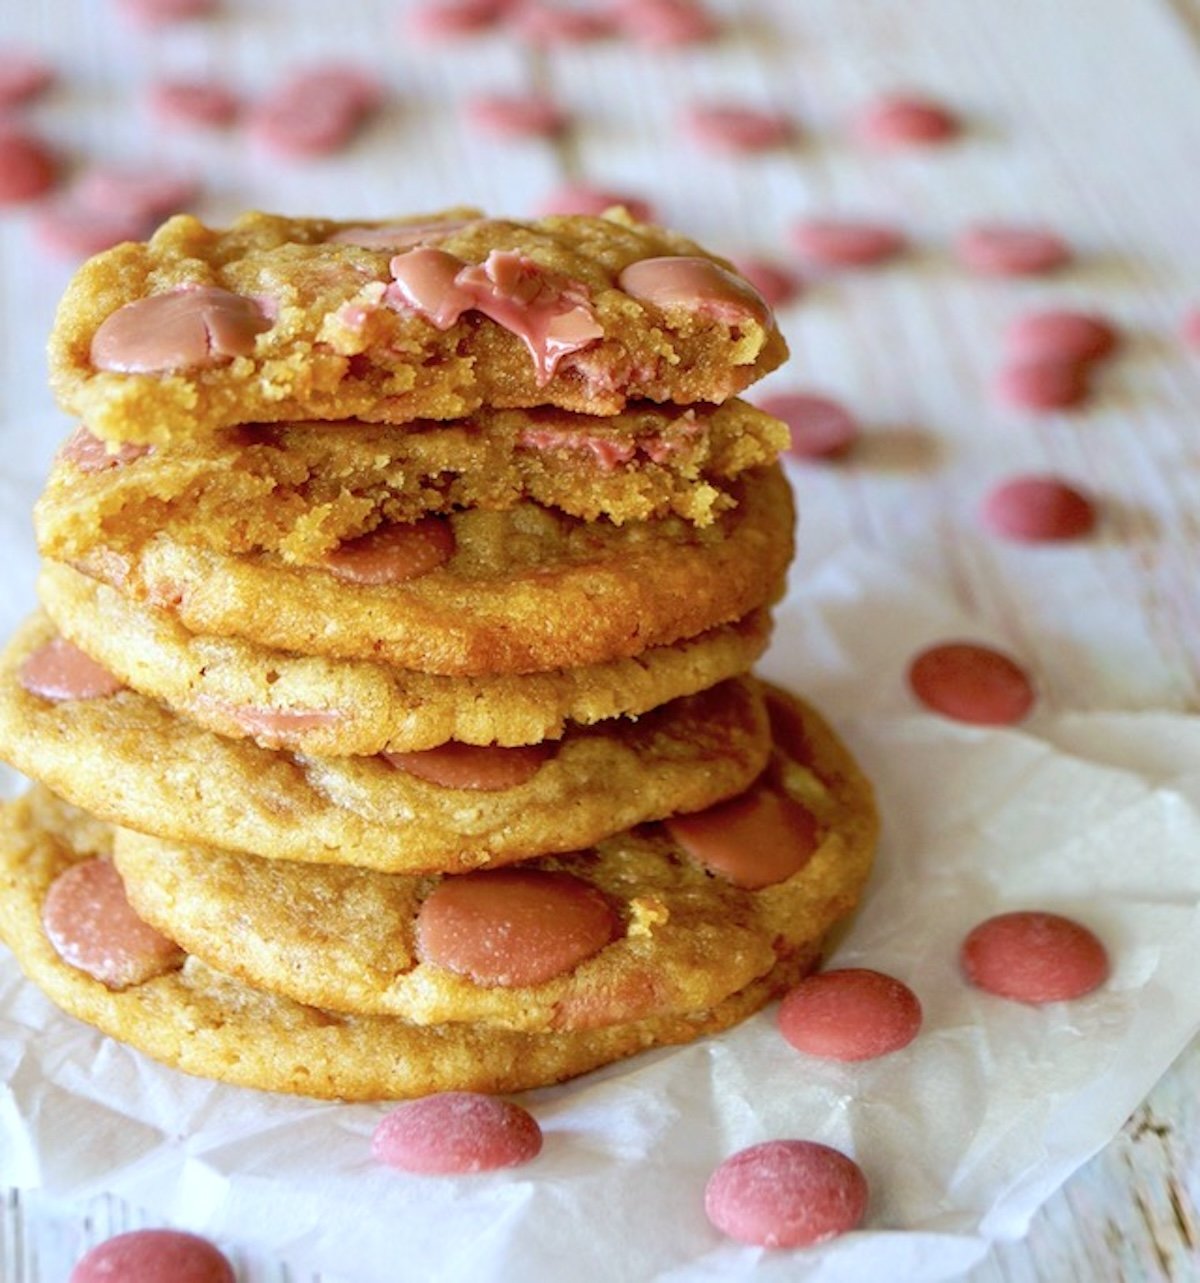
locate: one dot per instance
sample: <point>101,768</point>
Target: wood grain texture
<point>1084,114</point>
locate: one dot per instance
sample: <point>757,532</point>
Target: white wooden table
<point>1084,114</point>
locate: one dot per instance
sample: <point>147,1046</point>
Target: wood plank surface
<point>1083,114</point>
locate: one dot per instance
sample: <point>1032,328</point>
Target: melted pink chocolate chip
<point>853,1014</point>
<point>1189,328</point>
<point>183,329</point>
<point>549,313</point>
<point>513,927</point>
<point>89,454</point>
<point>399,236</point>
<point>608,453</point>
<point>971,683</point>
<point>1034,957</point>
<point>153,1256</point>
<point>698,284</point>
<point>485,768</point>
<point>786,1193</point>
<point>755,840</point>
<point>457,1133</point>
<point>276,727</point>
<point>92,927</point>
<point>393,554</point>
<point>59,672</point>
<point>999,249</point>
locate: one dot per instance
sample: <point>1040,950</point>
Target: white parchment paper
<point>962,1135</point>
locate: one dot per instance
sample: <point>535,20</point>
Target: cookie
<point>337,707</point>
<point>663,936</point>
<point>205,1023</point>
<point>481,593</point>
<point>289,319</point>
<point>299,490</point>
<point>127,759</point>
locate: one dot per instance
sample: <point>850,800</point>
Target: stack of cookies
<point>390,700</point>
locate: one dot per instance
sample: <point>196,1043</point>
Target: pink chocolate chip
<point>28,168</point>
<point>145,193</point>
<point>198,103</point>
<point>59,671</point>
<point>277,727</point>
<point>457,1133</point>
<point>698,284</point>
<point>456,17</point>
<point>154,13</point>
<point>777,284</point>
<point>841,242</point>
<point>1034,957</point>
<point>395,553</point>
<point>733,128</point>
<point>1189,328</point>
<point>971,683</point>
<point>486,769</point>
<point>854,1014</point>
<point>820,428</point>
<point>579,198</point>
<point>516,115</point>
<point>551,315</point>
<point>665,23</point>
<point>153,1256</point>
<point>1040,386</point>
<point>1038,510</point>
<point>513,927</point>
<point>69,229</point>
<point>903,120</point>
<point>184,329</point>
<point>316,110</point>
<point>1000,249</point>
<point>786,1193</point>
<point>89,454</point>
<point>546,22</point>
<point>92,927</point>
<point>755,840</point>
<point>24,76</point>
<point>1060,335</point>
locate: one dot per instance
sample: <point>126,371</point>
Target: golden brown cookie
<point>299,490</point>
<point>208,1024</point>
<point>679,938</point>
<point>520,591</point>
<point>127,759</point>
<point>288,319</point>
<point>335,707</point>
